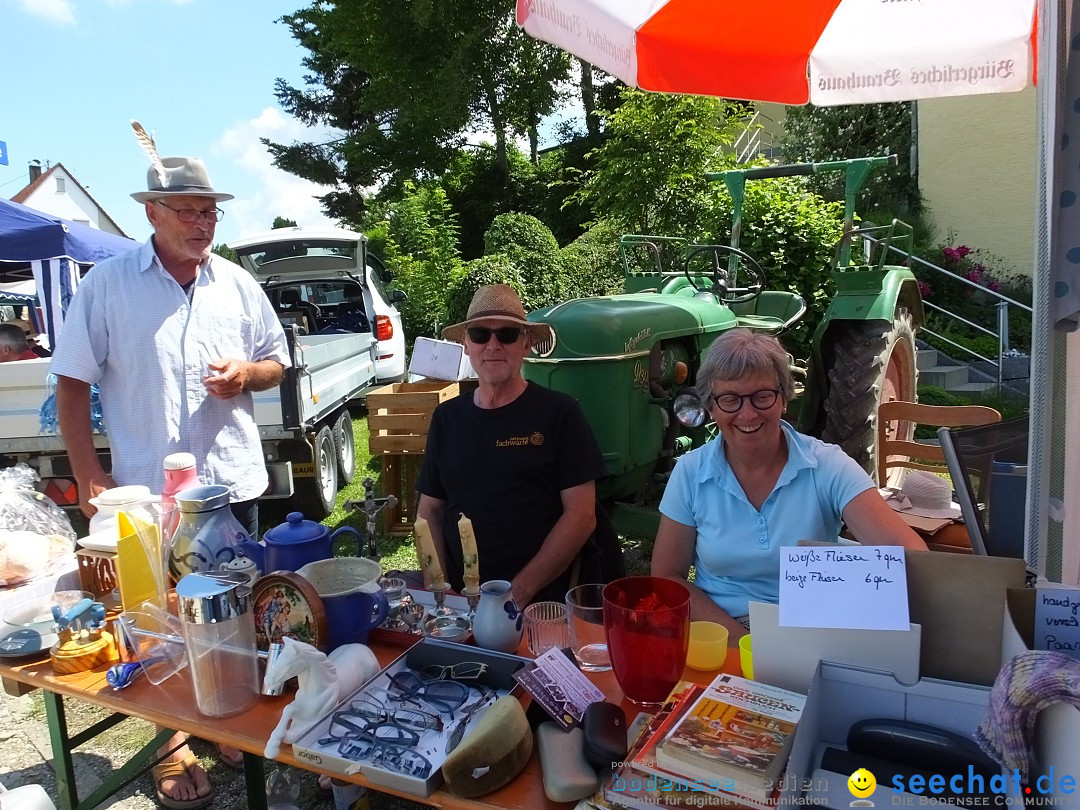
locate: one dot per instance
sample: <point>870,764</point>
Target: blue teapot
<point>293,544</point>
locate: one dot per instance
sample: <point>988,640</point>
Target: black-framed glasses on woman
<point>732,403</point>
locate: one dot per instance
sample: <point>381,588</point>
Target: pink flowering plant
<point>974,303</point>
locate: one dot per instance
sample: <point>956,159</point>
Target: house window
<point>60,185</point>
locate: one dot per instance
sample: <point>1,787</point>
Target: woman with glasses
<point>732,504</point>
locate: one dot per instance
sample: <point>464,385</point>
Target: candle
<point>425,552</point>
<point>469,555</point>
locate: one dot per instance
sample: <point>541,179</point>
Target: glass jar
<point>219,636</point>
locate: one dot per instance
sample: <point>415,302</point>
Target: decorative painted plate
<point>285,604</point>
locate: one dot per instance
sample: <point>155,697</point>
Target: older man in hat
<point>517,459</point>
<point>177,339</point>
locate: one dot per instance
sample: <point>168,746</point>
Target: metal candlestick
<point>439,592</point>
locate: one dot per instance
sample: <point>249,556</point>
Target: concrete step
<point>947,377</point>
<point>926,358</point>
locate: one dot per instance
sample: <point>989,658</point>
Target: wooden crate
<point>399,415</point>
<point>399,474</point>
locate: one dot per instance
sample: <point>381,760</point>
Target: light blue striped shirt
<point>737,550</point>
<point>132,329</point>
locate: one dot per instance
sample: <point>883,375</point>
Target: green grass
<point>396,552</point>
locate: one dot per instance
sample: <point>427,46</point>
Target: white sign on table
<point>1057,620</point>
<point>853,587</point>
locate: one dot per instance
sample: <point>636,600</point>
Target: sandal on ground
<point>175,769</point>
<point>235,762</point>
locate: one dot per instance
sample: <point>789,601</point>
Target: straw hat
<point>925,495</point>
<point>176,176</point>
<point>500,302</point>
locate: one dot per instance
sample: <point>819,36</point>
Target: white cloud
<point>58,11</point>
<point>262,190</point>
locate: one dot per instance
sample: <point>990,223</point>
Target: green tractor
<point>631,359</point>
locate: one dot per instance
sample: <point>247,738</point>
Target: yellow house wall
<point>977,172</point>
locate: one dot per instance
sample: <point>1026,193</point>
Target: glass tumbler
<point>585,615</point>
<point>647,622</point>
<point>545,627</point>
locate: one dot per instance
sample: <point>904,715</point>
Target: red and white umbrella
<point>793,51</point>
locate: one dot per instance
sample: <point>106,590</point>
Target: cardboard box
<point>439,360</point>
<point>425,759</point>
<point>841,695</point>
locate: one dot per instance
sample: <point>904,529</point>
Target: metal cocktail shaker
<point>219,635</point>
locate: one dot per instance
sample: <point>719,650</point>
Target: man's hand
<point>228,378</point>
<point>91,488</point>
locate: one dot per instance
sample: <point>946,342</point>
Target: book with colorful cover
<point>641,784</point>
<point>737,731</point>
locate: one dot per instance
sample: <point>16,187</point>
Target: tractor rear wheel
<point>873,362</point>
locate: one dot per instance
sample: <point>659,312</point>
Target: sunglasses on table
<point>504,334</point>
<point>732,403</point>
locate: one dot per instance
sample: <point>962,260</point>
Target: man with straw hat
<point>517,459</point>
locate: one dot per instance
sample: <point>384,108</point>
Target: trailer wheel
<point>345,447</point>
<point>316,496</point>
<point>873,362</point>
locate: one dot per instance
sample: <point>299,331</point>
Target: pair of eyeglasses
<point>193,215</point>
<point>372,711</point>
<point>442,695</point>
<point>732,403</point>
<point>504,334</point>
<point>464,671</point>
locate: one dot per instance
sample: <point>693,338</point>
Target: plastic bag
<point>23,508</point>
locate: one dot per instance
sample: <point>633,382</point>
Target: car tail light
<point>384,327</point>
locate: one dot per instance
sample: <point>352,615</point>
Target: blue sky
<point>198,74</point>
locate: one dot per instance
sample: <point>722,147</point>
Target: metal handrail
<point>1002,305</point>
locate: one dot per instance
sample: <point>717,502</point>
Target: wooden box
<point>399,475</point>
<point>399,415</point>
<point>97,571</point>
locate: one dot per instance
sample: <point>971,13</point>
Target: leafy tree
<point>592,262</point>
<point>225,252</point>
<point>417,236</point>
<point>405,83</point>
<point>815,134</point>
<point>649,174</point>
<point>282,222</point>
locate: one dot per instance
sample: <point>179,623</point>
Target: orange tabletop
<point>172,705</point>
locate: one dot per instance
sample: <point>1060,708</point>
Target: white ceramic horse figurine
<point>324,681</point>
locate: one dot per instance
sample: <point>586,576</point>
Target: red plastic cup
<point>647,623</point>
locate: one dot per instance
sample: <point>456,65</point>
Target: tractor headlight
<point>689,410</point>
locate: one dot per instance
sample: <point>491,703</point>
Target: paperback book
<point>737,732</point>
<point>642,784</point>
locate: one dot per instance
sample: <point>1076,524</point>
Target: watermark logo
<point>862,785</point>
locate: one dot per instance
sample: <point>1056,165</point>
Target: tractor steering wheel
<point>725,281</point>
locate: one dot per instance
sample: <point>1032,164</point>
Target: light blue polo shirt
<point>737,554</point>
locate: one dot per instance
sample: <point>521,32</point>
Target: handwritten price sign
<point>853,587</point>
<point>1057,620</point>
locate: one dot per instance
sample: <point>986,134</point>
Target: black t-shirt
<point>504,469</point>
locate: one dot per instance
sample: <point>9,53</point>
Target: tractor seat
<point>773,312</point>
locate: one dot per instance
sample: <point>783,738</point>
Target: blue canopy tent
<point>54,252</point>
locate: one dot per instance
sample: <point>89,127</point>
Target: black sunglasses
<point>504,334</point>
